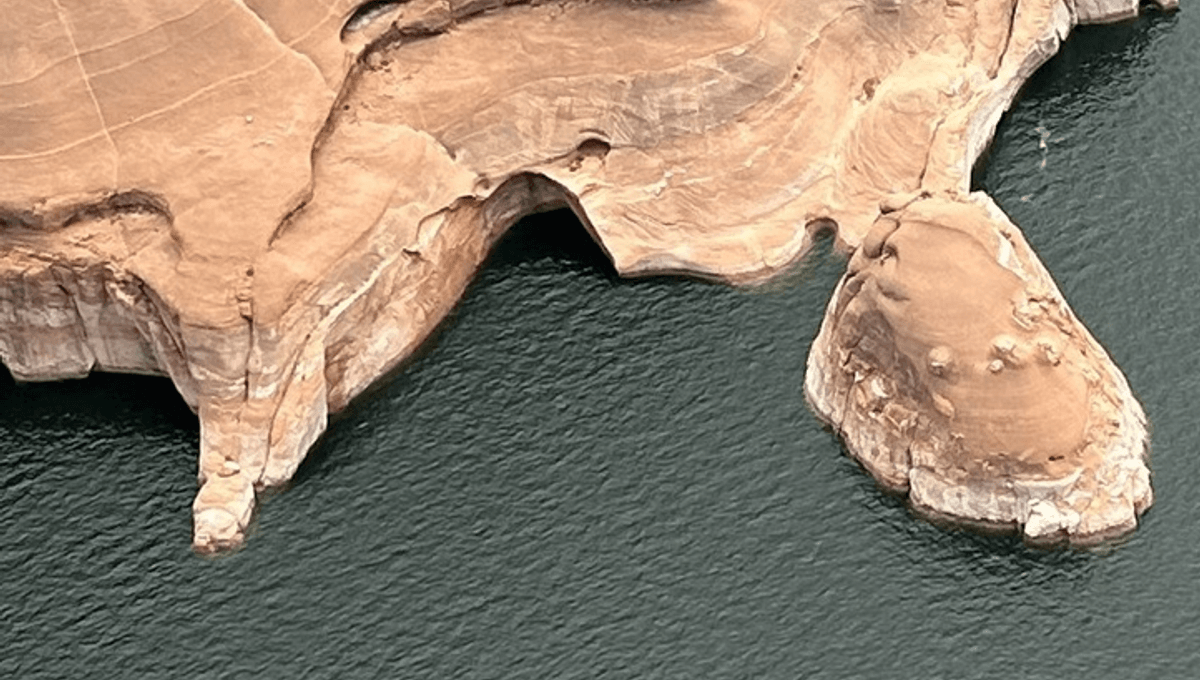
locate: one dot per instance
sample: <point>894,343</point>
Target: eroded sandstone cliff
<point>273,203</point>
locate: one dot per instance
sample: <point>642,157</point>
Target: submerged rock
<point>273,203</point>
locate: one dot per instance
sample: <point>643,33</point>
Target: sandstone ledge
<point>273,203</point>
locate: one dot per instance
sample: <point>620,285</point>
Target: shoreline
<point>337,270</point>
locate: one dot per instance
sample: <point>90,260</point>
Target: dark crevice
<point>365,14</point>
<point>557,235</point>
<point>133,201</point>
<point>12,218</point>
<point>1012,24</point>
<point>121,202</point>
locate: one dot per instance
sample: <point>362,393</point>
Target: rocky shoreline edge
<point>275,256</point>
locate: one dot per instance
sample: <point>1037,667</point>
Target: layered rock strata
<point>273,203</point>
<point>955,371</point>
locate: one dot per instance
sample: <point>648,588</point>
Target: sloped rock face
<point>273,203</point>
<point>956,372</point>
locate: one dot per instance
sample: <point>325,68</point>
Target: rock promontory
<point>955,371</point>
<point>274,203</point>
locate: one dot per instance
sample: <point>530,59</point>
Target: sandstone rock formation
<point>956,372</point>
<point>273,203</point>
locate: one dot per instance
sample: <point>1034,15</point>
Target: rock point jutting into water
<point>273,203</point>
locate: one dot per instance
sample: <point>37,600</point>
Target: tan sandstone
<point>273,203</point>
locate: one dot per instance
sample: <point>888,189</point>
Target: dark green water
<point>588,477</point>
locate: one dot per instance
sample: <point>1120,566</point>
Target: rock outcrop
<point>273,203</point>
<point>955,372</point>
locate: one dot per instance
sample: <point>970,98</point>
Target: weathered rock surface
<point>273,203</point>
<point>956,372</point>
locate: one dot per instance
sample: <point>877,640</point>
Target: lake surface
<point>588,477</point>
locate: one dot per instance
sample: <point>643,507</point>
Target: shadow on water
<point>555,237</point>
<point>100,396</point>
<point>1096,55</point>
<point>1094,64</point>
<point>558,236</point>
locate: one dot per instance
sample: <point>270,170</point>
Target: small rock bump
<point>1004,345</point>
<point>872,244</point>
<point>1008,350</point>
<point>1050,351</point>
<point>941,361</point>
<point>483,187</point>
<point>996,366</point>
<point>879,389</point>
